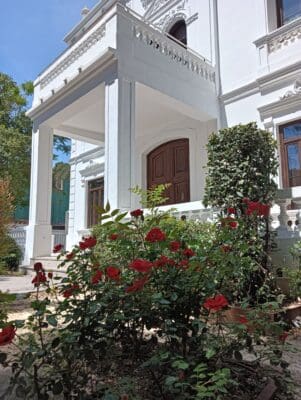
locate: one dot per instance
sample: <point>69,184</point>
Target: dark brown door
<point>169,163</point>
<point>95,200</point>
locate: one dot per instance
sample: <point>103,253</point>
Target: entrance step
<point>50,264</point>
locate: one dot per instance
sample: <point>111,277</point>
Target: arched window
<point>179,31</point>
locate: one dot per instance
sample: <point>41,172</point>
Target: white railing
<point>18,233</point>
<point>163,43</point>
<point>58,237</point>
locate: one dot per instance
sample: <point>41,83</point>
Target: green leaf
<point>55,342</point>
<point>180,364</point>
<point>120,217</point>
<point>57,388</point>
<point>51,320</point>
<point>210,353</point>
<point>115,212</point>
<point>3,357</point>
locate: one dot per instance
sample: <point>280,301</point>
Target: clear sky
<point>32,32</point>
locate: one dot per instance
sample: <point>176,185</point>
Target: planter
<point>284,285</point>
<point>292,311</point>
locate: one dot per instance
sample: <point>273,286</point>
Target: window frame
<point>283,151</point>
<point>279,7</point>
<point>91,214</point>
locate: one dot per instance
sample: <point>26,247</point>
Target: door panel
<point>169,163</point>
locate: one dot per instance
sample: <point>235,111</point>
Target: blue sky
<point>31,35</point>
<point>32,32</point>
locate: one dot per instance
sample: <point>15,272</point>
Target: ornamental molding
<point>158,8</point>
<point>281,37</point>
<point>74,55</point>
<point>283,106</point>
<point>92,170</point>
<point>294,92</point>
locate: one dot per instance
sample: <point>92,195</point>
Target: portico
<point>114,89</point>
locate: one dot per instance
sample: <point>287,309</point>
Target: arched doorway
<point>179,31</point>
<point>169,163</point>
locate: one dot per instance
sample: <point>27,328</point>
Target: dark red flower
<point>57,248</point>
<point>226,248</point>
<point>136,213</point>
<point>216,303</point>
<point>184,264</point>
<point>141,265</point>
<point>113,273</point>
<point>50,275</point>
<point>137,285</point>
<point>69,256</point>
<point>257,208</point>
<point>243,320</point>
<point>164,261</point>
<point>181,375</point>
<point>245,200</point>
<point>113,236</point>
<point>231,210</point>
<point>124,397</point>
<point>38,266</point>
<point>70,291</point>
<point>7,335</point>
<point>174,246</point>
<point>155,235</point>
<point>96,278</point>
<point>39,278</point>
<point>233,224</point>
<point>283,337</point>
<point>87,243</point>
<point>188,253</point>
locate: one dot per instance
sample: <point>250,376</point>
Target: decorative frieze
<point>82,48</point>
<point>285,38</point>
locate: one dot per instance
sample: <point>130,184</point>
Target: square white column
<point>38,234</point>
<point>119,142</point>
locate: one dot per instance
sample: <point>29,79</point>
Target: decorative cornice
<point>281,37</point>
<point>86,156</point>
<point>281,107</point>
<point>79,50</point>
<point>92,169</point>
<point>296,90</point>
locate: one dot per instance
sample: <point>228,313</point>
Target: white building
<point>139,104</point>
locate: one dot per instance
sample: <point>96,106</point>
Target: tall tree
<point>15,136</point>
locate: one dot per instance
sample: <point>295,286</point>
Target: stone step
<point>49,264</point>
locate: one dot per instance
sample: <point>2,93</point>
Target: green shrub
<point>140,315</point>
<point>10,253</point>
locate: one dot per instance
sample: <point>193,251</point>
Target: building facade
<point>141,86</point>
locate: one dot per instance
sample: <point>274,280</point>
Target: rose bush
<point>140,315</point>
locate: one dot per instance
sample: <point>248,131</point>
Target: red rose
<point>233,224</point>
<point>38,266</point>
<point>283,337</point>
<point>7,334</point>
<point>245,200</point>
<point>226,248</point>
<point>96,278</point>
<point>243,320</point>
<point>136,213</point>
<point>124,397</point>
<point>39,278</point>
<point>184,264</point>
<point>69,256</point>
<point>141,265</point>
<point>50,275</point>
<point>163,261</point>
<point>231,210</point>
<point>113,236</point>
<point>264,210</point>
<point>188,253</point>
<point>155,235</point>
<point>137,285</point>
<point>113,273</point>
<point>70,291</point>
<point>174,246</point>
<point>57,248</point>
<point>216,303</point>
<point>87,243</point>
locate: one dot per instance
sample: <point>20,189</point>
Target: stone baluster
<point>297,202</point>
<point>283,217</point>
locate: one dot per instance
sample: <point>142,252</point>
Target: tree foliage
<point>15,136</point>
<point>241,164</point>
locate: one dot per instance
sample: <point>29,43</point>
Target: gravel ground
<point>20,310</point>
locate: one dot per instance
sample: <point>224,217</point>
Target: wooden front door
<point>169,163</point>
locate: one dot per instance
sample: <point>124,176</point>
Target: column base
<point>38,242</point>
